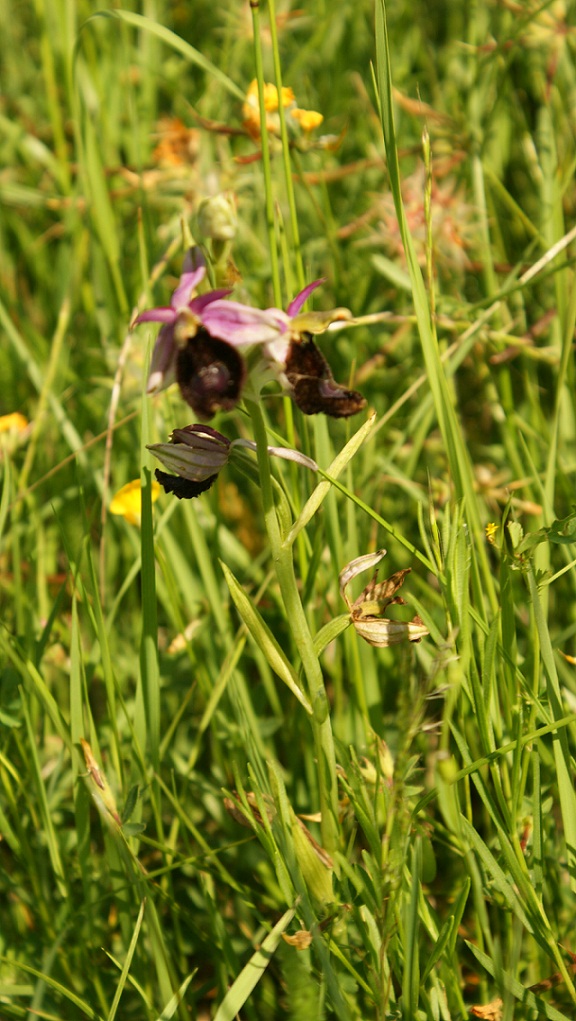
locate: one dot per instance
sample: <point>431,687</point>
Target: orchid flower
<point>200,337</point>
<point>300,366</point>
<point>197,343</point>
<point>197,453</point>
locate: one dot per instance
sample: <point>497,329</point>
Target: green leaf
<point>127,962</point>
<point>260,634</point>
<point>130,805</point>
<point>250,975</point>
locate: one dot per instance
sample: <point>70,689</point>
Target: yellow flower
<point>307,119</point>
<point>251,108</point>
<point>127,502</point>
<point>271,95</point>
<point>491,530</point>
<point>299,120</point>
<point>15,422</point>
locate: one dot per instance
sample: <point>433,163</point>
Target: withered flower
<point>99,787</point>
<point>312,385</point>
<point>236,809</point>
<point>367,611</point>
<point>196,454</point>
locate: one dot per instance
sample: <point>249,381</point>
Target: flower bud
<point>218,218</point>
<point>99,787</point>
<point>315,864</point>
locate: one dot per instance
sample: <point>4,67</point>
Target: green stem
<point>296,617</point>
<point>269,198</point>
<point>297,250</point>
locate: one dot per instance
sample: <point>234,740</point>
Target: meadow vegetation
<point>217,798</point>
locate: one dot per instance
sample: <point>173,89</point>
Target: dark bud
<point>184,489</point>
<point>314,388</point>
<point>210,373</point>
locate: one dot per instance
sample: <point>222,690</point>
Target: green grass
<point>206,657</point>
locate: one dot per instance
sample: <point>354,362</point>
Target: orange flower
<point>177,145</point>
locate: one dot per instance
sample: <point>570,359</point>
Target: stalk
<point>296,617</point>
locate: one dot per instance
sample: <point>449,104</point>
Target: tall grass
<point>216,799</point>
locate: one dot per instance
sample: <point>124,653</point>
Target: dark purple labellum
<point>210,373</point>
<point>184,489</point>
<point>314,388</point>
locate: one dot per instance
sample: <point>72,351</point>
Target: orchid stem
<point>296,617</point>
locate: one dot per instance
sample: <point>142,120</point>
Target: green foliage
<point>198,756</point>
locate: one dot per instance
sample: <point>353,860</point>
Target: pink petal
<point>297,303</point>
<point>240,324</point>
<point>162,314</point>
<point>198,304</point>
<point>188,282</point>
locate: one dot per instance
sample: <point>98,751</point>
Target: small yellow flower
<point>491,530</point>
<point>307,119</point>
<point>298,120</point>
<point>15,422</point>
<point>127,502</point>
<point>251,108</point>
<point>271,95</point>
